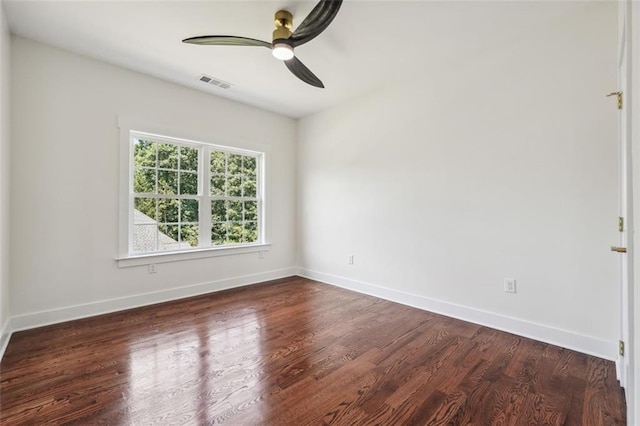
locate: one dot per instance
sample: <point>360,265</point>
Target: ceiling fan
<point>284,41</point>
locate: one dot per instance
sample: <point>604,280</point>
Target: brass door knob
<point>619,249</point>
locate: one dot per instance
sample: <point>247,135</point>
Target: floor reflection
<point>201,368</point>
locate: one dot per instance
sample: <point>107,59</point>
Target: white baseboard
<point>5,335</point>
<point>619,375</point>
<point>39,319</point>
<point>567,339</point>
<point>544,333</point>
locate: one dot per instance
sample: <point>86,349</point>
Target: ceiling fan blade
<point>303,73</point>
<point>222,40</point>
<point>316,21</point>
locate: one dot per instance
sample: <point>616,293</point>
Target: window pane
<point>145,237</point>
<point>234,235</point>
<point>167,156</point>
<point>249,188</point>
<point>234,188</point>
<point>167,182</point>
<point>144,181</point>
<point>188,158</point>
<point>144,210</point>
<point>234,167</point>
<point>218,233</point>
<point>168,210</point>
<point>189,211</point>
<point>249,166</point>
<point>188,183</point>
<point>218,162</point>
<point>218,185</point>
<point>144,153</point>
<point>189,236</point>
<point>168,237</point>
<point>250,234</point>
<point>234,210</point>
<point>250,210</point>
<point>218,211</point>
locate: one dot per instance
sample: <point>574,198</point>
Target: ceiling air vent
<point>215,82</point>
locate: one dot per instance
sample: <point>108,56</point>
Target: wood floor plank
<point>297,352</point>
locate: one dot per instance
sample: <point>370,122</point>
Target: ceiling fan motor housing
<point>284,23</point>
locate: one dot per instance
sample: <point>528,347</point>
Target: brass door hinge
<point>617,95</point>
<point>621,347</point>
<point>620,224</point>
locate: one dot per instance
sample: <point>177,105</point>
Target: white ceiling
<point>369,45</point>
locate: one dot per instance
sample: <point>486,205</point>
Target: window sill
<point>177,256</point>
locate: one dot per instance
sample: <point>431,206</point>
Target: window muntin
<point>179,201</point>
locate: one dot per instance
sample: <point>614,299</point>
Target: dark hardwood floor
<point>297,352</point>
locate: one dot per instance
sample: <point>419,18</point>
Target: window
<point>186,196</point>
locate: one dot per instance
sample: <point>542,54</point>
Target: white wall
<point>65,175</point>
<point>500,164</point>
<point>5,42</point>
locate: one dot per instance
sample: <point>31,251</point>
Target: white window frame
<point>131,130</point>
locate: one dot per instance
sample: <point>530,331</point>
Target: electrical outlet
<point>152,268</point>
<point>260,255</point>
<point>350,260</point>
<point>509,285</point>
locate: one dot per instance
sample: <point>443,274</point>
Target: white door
<point>625,206</point>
